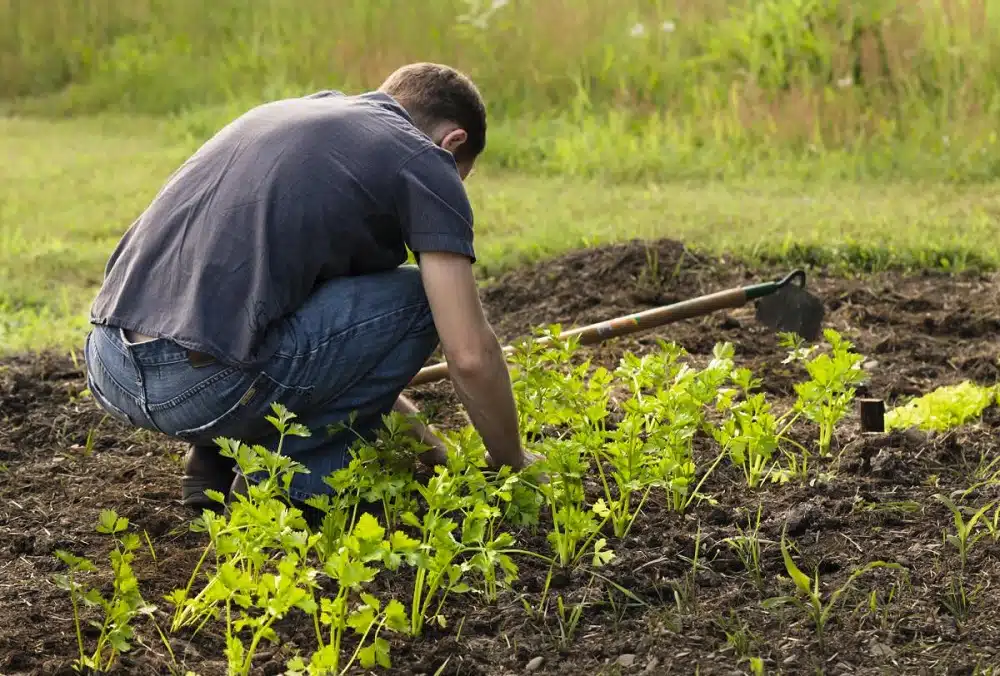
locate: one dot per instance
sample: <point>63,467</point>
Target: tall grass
<point>626,87</point>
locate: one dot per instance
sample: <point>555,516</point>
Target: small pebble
<point>626,660</point>
<point>882,650</point>
<point>535,664</point>
<point>651,666</point>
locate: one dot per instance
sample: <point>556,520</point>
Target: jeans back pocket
<point>234,403</point>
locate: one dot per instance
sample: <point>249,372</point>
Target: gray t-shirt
<point>291,194</point>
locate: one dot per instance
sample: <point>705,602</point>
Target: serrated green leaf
<point>368,529</point>
<point>601,508</point>
<point>395,616</point>
<point>110,523</point>
<point>215,496</point>
<point>93,597</point>
<point>367,656</point>
<point>602,556</point>
<point>362,619</point>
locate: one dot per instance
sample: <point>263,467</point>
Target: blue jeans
<point>351,348</point>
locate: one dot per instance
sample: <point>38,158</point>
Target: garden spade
<point>783,305</point>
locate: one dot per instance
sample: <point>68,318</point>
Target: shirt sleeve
<point>432,205</point>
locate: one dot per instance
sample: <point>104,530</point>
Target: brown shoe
<point>205,469</point>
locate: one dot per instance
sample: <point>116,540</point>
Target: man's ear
<point>453,139</point>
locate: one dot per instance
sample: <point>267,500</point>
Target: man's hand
<point>438,452</point>
<point>475,358</point>
<point>437,455</point>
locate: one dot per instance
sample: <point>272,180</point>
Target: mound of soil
<point>63,461</point>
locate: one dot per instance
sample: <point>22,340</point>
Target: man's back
<point>256,252</point>
<point>290,194</point>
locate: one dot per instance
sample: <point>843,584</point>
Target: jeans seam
<point>231,410</point>
<point>103,400</point>
<point>234,409</point>
<point>107,374</point>
<point>193,390</point>
<point>120,349</point>
<point>349,332</point>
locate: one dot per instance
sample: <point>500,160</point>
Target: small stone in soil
<point>626,660</point>
<point>881,650</point>
<point>535,663</point>
<point>800,517</point>
<point>651,666</point>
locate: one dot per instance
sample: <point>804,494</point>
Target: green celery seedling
<point>826,397</point>
<point>750,434</point>
<point>120,610</point>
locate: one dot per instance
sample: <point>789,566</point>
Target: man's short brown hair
<point>433,94</point>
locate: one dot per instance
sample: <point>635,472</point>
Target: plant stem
<point>175,625</point>
<point>357,651</point>
<point>257,636</point>
<point>76,616</point>
<point>638,509</point>
<point>715,464</point>
<point>789,424</point>
<point>416,611</point>
<point>582,548</point>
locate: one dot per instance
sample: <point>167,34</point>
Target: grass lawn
<point>68,189</point>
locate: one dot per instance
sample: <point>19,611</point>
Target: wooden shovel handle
<point>621,326</point>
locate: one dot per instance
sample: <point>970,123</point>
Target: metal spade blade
<point>792,309</point>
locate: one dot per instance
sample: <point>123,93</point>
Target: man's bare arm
<point>474,355</point>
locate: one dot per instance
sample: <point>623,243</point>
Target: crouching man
<point>271,267</point>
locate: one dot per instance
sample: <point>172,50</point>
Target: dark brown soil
<point>63,462</point>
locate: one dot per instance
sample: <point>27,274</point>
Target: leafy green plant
<point>116,630</point>
<point>435,554</point>
<point>756,665</point>
<point>809,597</point>
<point>750,435</point>
<point>653,445</point>
<point>259,526</point>
<point>965,536</point>
<point>380,473</point>
<point>574,526</point>
<point>351,567</point>
<point>826,397</point>
<point>632,453</point>
<point>268,564</point>
<point>944,408</point>
<point>492,549</point>
<point>555,395</point>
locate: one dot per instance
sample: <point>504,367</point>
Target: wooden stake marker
<point>872,413</point>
